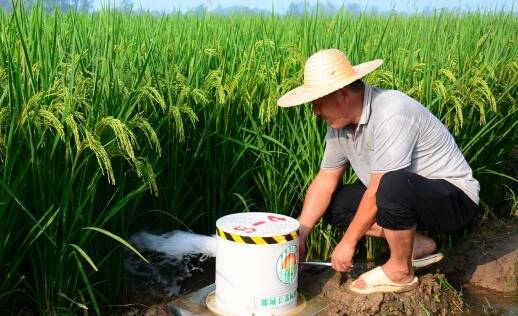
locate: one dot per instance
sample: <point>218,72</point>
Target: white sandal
<point>377,281</point>
<point>424,262</point>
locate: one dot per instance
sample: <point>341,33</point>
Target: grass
<point>112,122</point>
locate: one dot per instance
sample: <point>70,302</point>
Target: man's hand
<point>304,232</point>
<point>342,256</point>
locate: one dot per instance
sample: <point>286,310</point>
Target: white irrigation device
<point>257,260</point>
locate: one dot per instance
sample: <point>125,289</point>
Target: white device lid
<point>257,224</point>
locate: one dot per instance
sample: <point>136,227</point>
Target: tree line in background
<point>49,5</point>
<point>295,8</point>
<point>63,5</point>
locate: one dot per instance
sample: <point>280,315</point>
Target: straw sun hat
<point>326,71</point>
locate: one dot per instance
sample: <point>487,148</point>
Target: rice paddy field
<point>112,122</point>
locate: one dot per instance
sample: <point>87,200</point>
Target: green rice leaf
<point>85,256</point>
<point>119,239</point>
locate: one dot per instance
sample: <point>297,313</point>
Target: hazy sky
<point>280,6</point>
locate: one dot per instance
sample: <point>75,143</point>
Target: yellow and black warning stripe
<point>257,240</point>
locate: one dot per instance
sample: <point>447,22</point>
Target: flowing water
<point>173,257</point>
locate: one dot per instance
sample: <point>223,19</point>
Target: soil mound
<point>429,298</point>
<point>433,296</point>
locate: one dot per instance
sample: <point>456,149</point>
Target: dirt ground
<point>488,258</point>
<point>433,296</point>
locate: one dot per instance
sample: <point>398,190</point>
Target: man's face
<point>332,109</point>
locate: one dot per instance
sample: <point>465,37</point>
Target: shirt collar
<point>366,111</point>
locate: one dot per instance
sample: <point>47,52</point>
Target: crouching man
<point>413,175</point>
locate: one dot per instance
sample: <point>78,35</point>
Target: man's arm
<point>363,219</point>
<point>317,199</point>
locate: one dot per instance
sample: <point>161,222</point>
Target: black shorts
<point>405,199</point>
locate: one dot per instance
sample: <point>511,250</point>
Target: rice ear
<point>49,118</point>
<point>72,125</point>
<point>175,115</point>
<point>143,125</point>
<point>92,142</point>
<point>124,136</point>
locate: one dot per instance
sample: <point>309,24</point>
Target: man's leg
<point>423,245</point>
<point>343,206</point>
<point>406,200</point>
<point>398,268</point>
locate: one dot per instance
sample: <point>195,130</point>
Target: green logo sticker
<point>287,265</point>
<point>370,147</point>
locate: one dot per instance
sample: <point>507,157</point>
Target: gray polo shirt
<point>396,132</point>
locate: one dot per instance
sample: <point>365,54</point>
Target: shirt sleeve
<point>334,155</point>
<point>394,141</point>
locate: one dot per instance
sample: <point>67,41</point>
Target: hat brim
<point>303,94</point>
